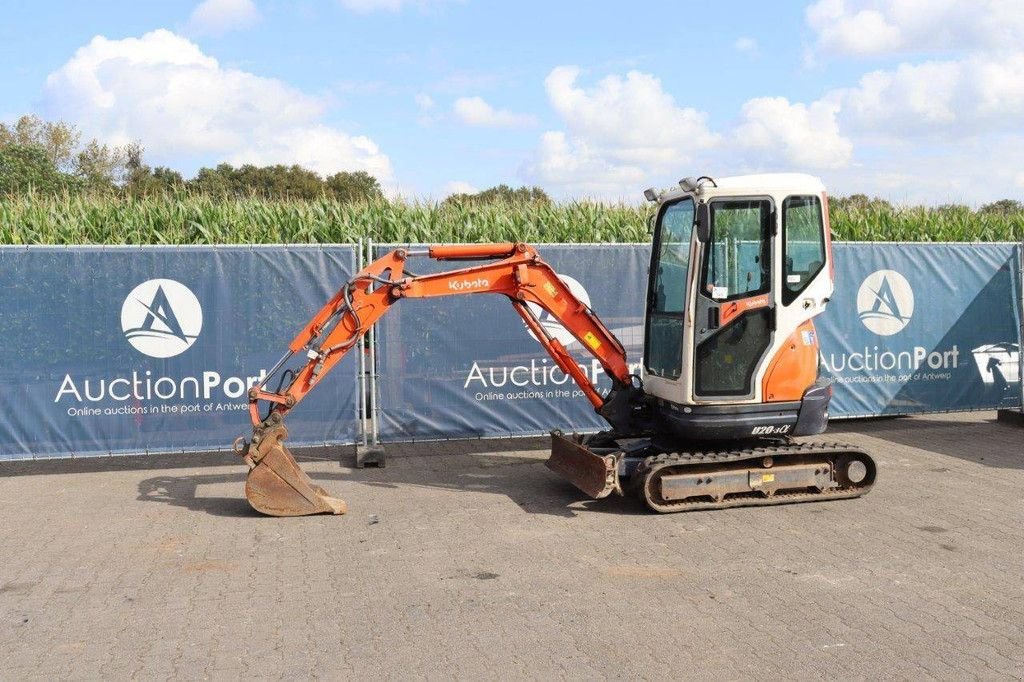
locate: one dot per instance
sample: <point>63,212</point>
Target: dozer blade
<point>276,486</point>
<point>596,475</point>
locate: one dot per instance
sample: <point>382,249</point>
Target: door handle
<point>713,318</point>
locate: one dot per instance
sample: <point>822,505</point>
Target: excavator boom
<point>278,487</point>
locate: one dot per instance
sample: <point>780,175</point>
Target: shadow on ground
<point>945,436</point>
<point>190,460</point>
<point>492,466</point>
<point>476,466</point>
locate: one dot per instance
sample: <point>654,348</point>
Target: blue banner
<point>922,328</point>
<point>911,328</point>
<point>468,367</point>
<point>153,349</point>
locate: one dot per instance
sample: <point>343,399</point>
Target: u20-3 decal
<point>770,430</point>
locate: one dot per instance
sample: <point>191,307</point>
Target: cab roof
<point>761,183</point>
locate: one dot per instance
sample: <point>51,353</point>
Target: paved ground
<point>473,561</point>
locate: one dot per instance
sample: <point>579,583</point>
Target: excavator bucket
<point>596,475</point>
<point>276,486</point>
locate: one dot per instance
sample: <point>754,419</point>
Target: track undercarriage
<point>671,479</point>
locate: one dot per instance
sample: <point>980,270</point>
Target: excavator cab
<point>739,269</point>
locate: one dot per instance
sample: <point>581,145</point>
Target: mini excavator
<point>739,268</point>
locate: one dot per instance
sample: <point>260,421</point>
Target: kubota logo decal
<point>462,285</point>
<point>885,302</point>
<point>161,318</point>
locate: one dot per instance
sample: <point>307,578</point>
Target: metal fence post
<point>360,261</point>
<point>373,369</point>
<point>370,451</point>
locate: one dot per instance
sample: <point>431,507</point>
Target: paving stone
<point>472,560</point>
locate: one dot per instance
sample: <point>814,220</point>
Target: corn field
<point>83,219</point>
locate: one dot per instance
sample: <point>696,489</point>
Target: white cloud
<point>216,17</point>
<point>475,111</point>
<point>1019,180</point>
<point>879,27</point>
<point>186,108</point>
<point>959,98</point>
<point>424,101</point>
<point>633,118</point>
<point>368,6</point>
<point>619,132</point>
<point>840,29</point>
<point>974,171</point>
<point>885,135</point>
<point>317,147</point>
<point>578,169</point>
<point>746,45</point>
<point>458,187</point>
<point>934,107</point>
<point>805,135</point>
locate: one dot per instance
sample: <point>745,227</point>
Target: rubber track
<point>648,470</point>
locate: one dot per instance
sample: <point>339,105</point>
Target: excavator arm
<point>277,486</point>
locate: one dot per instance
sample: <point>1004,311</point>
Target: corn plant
<point>200,219</point>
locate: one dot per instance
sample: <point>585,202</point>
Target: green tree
<point>859,202</point>
<point>502,194</point>
<point>140,180</point>
<point>1003,207</point>
<point>352,186</point>
<point>213,181</point>
<point>100,166</point>
<point>280,182</point>
<point>272,182</point>
<point>59,140</point>
<point>29,168</point>
<point>284,182</point>
<point>953,210</point>
<point>168,180</point>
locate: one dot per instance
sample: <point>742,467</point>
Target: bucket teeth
<point>276,486</point>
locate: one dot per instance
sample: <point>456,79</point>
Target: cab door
<point>667,294</point>
<point>734,313</point>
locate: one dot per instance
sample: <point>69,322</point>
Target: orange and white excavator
<point>739,268</point>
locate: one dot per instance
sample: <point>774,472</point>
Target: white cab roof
<point>775,184</point>
<point>769,182</point>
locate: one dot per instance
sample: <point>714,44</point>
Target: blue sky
<point>913,100</point>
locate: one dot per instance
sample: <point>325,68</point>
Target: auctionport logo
<point>885,302</point>
<point>161,318</point>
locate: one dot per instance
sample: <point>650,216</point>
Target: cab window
<point>670,263</point>
<point>803,234</point>
<point>737,263</point>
